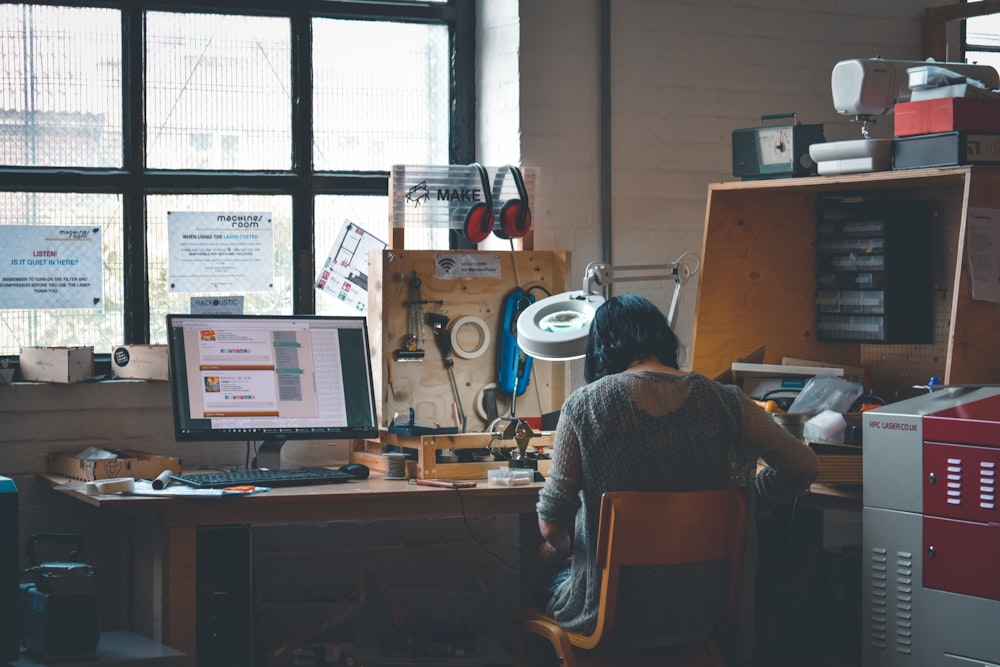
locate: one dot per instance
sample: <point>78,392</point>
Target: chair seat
<point>647,528</point>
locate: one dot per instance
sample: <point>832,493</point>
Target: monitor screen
<point>270,379</point>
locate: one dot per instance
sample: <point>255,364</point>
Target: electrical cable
<point>475,538</point>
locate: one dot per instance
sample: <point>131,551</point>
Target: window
<point>982,40</point>
<point>117,120</point>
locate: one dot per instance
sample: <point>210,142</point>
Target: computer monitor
<point>270,379</point>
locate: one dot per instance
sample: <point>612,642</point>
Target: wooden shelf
<point>757,284</point>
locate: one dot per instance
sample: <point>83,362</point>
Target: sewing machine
<point>867,88</point>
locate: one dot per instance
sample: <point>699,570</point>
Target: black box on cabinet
<point>874,271</point>
<point>10,646</point>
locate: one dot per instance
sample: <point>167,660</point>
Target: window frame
<point>301,182</point>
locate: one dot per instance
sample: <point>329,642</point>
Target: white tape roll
<point>478,402</point>
<point>483,333</point>
<point>113,485</point>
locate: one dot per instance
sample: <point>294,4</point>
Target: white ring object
<point>113,485</point>
<point>478,401</point>
<point>556,328</point>
<point>484,337</point>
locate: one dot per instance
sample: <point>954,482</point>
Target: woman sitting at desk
<point>640,424</point>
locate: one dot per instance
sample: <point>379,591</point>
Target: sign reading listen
<point>44,266</point>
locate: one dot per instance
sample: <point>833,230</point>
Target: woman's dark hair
<point>626,329</point>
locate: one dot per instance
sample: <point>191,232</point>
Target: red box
<point>948,114</point>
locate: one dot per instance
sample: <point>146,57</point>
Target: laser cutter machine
<point>931,532</point>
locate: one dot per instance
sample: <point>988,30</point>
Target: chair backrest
<point>669,528</point>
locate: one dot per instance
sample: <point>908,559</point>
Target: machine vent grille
<point>904,602</point>
<point>891,595</point>
<point>879,591</point>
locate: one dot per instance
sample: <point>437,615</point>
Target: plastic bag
<point>827,392</point>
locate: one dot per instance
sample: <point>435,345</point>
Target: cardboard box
<point>137,465</point>
<point>963,114</point>
<point>57,364</point>
<point>140,362</point>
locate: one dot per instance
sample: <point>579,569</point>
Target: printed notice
<point>345,272</point>
<point>220,252</point>
<point>44,266</point>
<point>983,249</point>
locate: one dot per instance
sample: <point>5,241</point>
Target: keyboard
<point>258,477</point>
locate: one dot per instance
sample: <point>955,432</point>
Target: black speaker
<point>10,649</point>
<point>224,627</point>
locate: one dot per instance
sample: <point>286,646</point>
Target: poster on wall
<point>50,266</point>
<point>217,251</point>
<point>983,251</point>
<point>344,274</point>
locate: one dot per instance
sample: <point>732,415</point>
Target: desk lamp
<point>556,328</point>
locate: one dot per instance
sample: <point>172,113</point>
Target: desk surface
<point>370,499</point>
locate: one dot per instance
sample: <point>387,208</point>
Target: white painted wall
<point>685,74</point>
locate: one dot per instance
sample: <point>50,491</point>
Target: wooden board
<point>425,385</point>
<point>757,284</point>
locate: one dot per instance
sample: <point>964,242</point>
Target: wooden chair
<point>650,528</point>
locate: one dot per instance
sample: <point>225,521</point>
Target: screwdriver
<point>439,324</point>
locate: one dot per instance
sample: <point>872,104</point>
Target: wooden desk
<point>165,533</point>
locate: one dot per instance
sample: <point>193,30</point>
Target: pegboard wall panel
<point>897,368</point>
<point>466,291</point>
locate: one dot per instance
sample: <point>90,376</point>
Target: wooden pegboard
<point>896,368</point>
<point>475,294</point>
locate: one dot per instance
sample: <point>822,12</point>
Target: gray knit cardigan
<point>661,432</point>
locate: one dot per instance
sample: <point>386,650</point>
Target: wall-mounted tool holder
<point>463,295</point>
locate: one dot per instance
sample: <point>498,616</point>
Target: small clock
<point>775,151</point>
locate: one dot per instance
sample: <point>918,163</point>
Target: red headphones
<point>479,220</point>
<point>515,214</point>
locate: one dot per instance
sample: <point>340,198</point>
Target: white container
<point>828,425</point>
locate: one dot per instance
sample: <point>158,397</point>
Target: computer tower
<point>224,629</point>
<point>9,571</point>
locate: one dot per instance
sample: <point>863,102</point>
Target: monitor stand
<point>269,454</point>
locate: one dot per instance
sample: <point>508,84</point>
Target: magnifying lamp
<point>556,328</point>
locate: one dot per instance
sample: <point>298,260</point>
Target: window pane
<point>278,301</point>
<point>369,213</point>
<point>100,327</point>
<point>61,92</point>
<point>983,31</point>
<point>381,94</point>
<point>218,92</point>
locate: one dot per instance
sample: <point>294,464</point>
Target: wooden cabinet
<point>759,267</point>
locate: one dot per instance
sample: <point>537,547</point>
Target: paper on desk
<point>145,488</point>
<point>983,248</point>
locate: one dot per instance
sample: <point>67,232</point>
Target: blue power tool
<point>513,365</point>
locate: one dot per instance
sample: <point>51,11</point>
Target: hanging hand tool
<point>411,344</point>
<point>439,324</point>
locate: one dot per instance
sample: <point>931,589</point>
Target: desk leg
<point>180,590</point>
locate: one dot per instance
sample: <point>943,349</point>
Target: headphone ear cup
<point>478,222</point>
<point>515,220</point>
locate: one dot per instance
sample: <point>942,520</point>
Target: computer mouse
<point>359,470</point>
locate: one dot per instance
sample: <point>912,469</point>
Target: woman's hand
<point>552,556</point>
